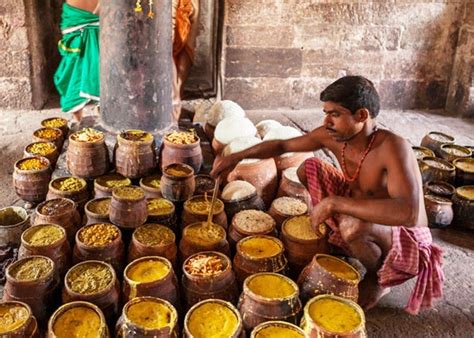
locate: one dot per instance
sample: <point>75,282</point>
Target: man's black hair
<point>353,92</point>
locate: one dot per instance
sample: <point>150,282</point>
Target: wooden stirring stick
<point>214,195</point>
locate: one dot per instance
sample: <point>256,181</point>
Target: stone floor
<point>451,317</point>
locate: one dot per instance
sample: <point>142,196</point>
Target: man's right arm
<point>309,142</point>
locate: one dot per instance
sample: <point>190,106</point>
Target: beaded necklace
<point>359,166</point>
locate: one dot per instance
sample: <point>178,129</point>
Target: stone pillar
<point>136,66</point>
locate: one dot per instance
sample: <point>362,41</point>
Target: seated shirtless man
<point>374,206</point>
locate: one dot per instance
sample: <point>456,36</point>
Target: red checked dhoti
<point>412,253</point>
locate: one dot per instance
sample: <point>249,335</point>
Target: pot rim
<point>16,209</point>
<point>103,187</point>
<point>214,213</point>
<point>443,134</point>
<point>247,290</point>
<point>245,232</point>
<point>61,135</point>
<point>153,246</point>
<point>94,214</point>
<point>178,178</point>
<point>121,139</point>
<point>78,303</point>
<point>73,140</point>
<point>42,279</point>
<point>122,199</point>
<point>62,192</point>
<point>463,188</point>
<point>145,186</point>
<point>349,281</point>
<point>227,304</point>
<point>163,215</point>
<point>152,299</point>
<point>55,118</point>
<point>464,159</point>
<point>181,146</point>
<point>33,171</point>
<point>437,199</point>
<point>226,260</point>
<point>148,258</point>
<point>114,242</point>
<point>95,294</point>
<point>288,215</point>
<point>56,243</point>
<point>70,201</point>
<point>28,319</point>
<point>303,240</point>
<point>354,305</point>
<point>467,152</point>
<point>276,240</point>
<point>450,166</point>
<point>279,323</point>
<point>29,154</point>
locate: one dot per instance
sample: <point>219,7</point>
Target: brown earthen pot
<point>13,221</point>
<point>87,159</point>
<point>436,169</point>
<point>464,171</point>
<point>32,185</point>
<point>439,211</point>
<point>463,206</point>
<point>177,188</point>
<point>57,138</point>
<point>52,156</point>
<point>80,196</point>
<point>128,212</point>
<point>28,328</point>
<point>434,140</point>
<point>189,154</point>
<point>191,215</point>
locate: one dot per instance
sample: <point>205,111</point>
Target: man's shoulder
<point>393,145</point>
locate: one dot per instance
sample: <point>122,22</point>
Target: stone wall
<point>27,52</point>
<point>284,52</point>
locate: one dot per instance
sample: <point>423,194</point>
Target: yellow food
<point>182,137</point>
<point>12,317</point>
<point>41,235</point>
<point>466,165</point>
<point>98,234</point>
<point>260,247</point>
<point>204,265</point>
<point>290,206</point>
<point>136,135</point>
<point>152,181</point>
<point>159,206</point>
<point>150,315</point>
<point>338,267</point>
<point>113,181</point>
<point>204,234</point>
<point>201,205</point>
<point>78,322</point>
<point>48,133</point>
<point>54,122</point>
<point>254,221</point>
<point>88,135</point>
<point>70,184</point>
<point>334,315</point>
<point>466,192</point>
<point>41,148</point>
<point>300,227</point>
<point>271,286</point>
<point>147,271</point>
<point>100,206</point>
<point>129,193</point>
<point>89,278</point>
<point>278,331</point>
<point>177,170</point>
<point>32,268</point>
<point>154,234</point>
<point>212,320</point>
<point>32,164</point>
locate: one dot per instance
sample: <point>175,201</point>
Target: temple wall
<point>284,52</point>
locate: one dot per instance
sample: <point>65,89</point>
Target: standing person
<point>77,77</point>
<point>375,205</point>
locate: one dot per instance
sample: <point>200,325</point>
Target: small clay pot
<point>464,171</point>
<point>191,216</point>
<point>422,152</point>
<point>103,186</point>
<point>151,191</point>
<point>434,140</point>
<point>32,185</point>
<point>286,161</point>
<point>441,189</point>
<point>178,188</point>
<point>451,152</point>
<point>134,158</point>
<point>51,156</point>
<point>56,122</point>
<point>191,244</point>
<point>290,185</point>
<point>238,230</point>
<point>278,327</point>
<point>13,221</point>
<point>28,328</point>
<point>57,136</point>
<point>252,201</point>
<point>439,211</point>
<point>189,154</point>
<point>463,206</point>
<point>128,212</point>
<point>280,215</point>
<point>80,196</point>
<point>436,169</point>
<point>204,185</point>
<point>168,219</point>
<point>94,216</point>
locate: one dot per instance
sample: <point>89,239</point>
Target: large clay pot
<point>195,322</point>
<point>128,208</point>
<point>320,277</point>
<point>463,206</point>
<point>134,154</point>
<point>439,211</point>
<point>24,325</point>
<point>269,296</point>
<point>436,169</point>
<point>314,330</point>
<point>262,174</point>
<point>177,182</point>
<point>102,329</point>
<point>31,185</point>
<point>78,193</point>
<point>189,154</point>
<point>199,285</point>
<point>464,171</point>
<point>13,221</point>
<point>44,149</point>
<point>87,159</point>
<point>128,327</point>
<point>434,140</point>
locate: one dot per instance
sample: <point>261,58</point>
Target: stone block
<point>260,36</point>
<point>18,40</point>
<point>15,64</point>
<point>260,93</point>
<point>263,62</point>
<point>316,36</point>
<point>400,94</point>
<point>15,93</point>
<point>250,12</point>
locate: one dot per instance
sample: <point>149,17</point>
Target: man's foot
<point>370,293</point>
<point>77,116</point>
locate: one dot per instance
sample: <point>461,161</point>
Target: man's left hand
<point>322,211</point>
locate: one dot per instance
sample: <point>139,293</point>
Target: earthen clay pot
<point>92,216</point>
<point>278,327</point>
<point>13,221</point>
<point>422,152</point>
<point>56,122</point>
<point>128,212</point>
<point>441,189</point>
<point>286,161</point>
<point>463,206</point>
<point>126,328</point>
<point>80,196</point>
<point>252,201</point>
<point>189,154</point>
<point>434,139</point>
<point>32,185</point>
<point>52,156</point>
<point>87,159</point>
<point>436,169</point>
<point>316,279</point>
<point>104,189</point>
<point>28,328</point>
<point>150,190</point>
<point>191,244</point>
<point>198,287</point>
<point>451,152</point>
<point>464,171</point>
<point>191,216</point>
<point>57,138</point>
<point>439,211</point>
<point>262,174</point>
<point>177,188</point>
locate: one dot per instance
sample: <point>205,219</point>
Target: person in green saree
<point>77,76</point>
